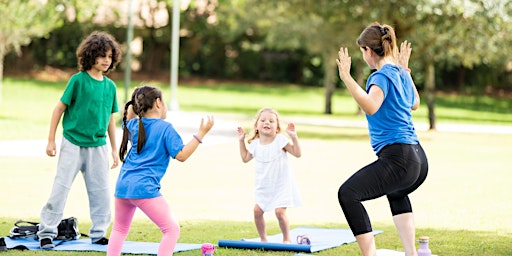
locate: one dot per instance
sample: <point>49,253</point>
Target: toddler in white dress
<point>275,186</point>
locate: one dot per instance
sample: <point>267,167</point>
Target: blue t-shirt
<point>141,173</point>
<point>392,123</point>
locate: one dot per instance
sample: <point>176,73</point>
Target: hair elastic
<point>383,31</point>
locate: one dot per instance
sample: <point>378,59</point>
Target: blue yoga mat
<point>321,239</point>
<point>129,247</point>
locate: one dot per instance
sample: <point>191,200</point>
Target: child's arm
<point>294,147</point>
<point>192,145</point>
<point>112,137</point>
<point>51,148</point>
<point>244,153</point>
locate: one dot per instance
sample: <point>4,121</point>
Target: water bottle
<point>207,249</point>
<point>424,250</point>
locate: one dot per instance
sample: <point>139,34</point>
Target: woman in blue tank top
<point>401,166</point>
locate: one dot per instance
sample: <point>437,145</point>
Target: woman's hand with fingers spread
<point>344,61</point>
<point>404,54</point>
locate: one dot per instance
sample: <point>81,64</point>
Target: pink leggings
<point>157,210</point>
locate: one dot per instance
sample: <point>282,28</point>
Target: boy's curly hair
<point>96,45</point>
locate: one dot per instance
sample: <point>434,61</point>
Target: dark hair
<point>380,38</point>
<point>124,142</point>
<point>97,44</point>
<point>143,98</point>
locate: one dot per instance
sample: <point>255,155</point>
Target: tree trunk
<point>360,81</point>
<point>2,55</point>
<point>461,77</point>
<point>329,85</point>
<point>430,86</point>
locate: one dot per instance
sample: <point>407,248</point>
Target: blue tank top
<point>392,123</point>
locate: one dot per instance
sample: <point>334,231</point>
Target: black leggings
<point>399,170</point>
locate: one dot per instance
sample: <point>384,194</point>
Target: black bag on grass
<point>67,229</point>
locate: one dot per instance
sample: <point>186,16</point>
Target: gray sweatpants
<point>94,165</point>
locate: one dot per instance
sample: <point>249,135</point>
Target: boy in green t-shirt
<point>87,105</point>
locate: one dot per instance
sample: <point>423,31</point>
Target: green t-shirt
<point>90,103</point>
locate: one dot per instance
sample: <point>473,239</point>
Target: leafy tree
<point>22,21</point>
<point>443,32</point>
<point>318,27</point>
<point>459,33</point>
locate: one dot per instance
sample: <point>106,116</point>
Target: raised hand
<point>404,54</point>
<point>291,130</point>
<point>241,133</point>
<point>206,125</point>
<point>344,61</point>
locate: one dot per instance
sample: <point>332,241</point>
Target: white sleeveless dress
<point>274,184</point>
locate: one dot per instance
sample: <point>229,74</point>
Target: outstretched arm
<point>294,147</point>
<point>244,153</point>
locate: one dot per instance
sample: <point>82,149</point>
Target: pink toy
<point>207,249</point>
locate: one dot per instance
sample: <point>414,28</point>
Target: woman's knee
<point>345,195</point>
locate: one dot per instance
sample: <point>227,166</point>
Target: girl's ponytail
<point>142,104</point>
<point>143,99</point>
<point>380,38</point>
<point>124,142</point>
<point>141,139</point>
<point>388,39</point>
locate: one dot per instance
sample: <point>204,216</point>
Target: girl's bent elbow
<point>181,158</point>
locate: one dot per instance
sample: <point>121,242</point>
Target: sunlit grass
<point>28,104</point>
<point>467,186</point>
<point>443,242</point>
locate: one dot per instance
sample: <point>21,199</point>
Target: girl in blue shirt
<point>153,142</point>
<point>402,165</point>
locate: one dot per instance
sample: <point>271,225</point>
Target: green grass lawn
<point>464,206</point>
<point>28,104</point>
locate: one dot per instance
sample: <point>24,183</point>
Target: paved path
<point>225,130</point>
